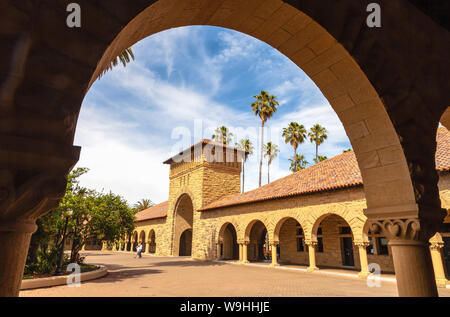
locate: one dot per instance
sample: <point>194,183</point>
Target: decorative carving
<point>436,245</point>
<point>398,229</point>
<point>363,244</point>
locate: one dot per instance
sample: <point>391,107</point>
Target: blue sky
<point>184,83</point>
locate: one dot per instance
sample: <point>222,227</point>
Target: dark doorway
<point>230,247</point>
<point>446,254</point>
<point>347,252</point>
<point>186,243</point>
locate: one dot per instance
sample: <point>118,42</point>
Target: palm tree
<point>143,204</point>
<point>318,135</point>
<point>264,107</point>
<point>125,57</point>
<point>294,134</point>
<point>298,162</point>
<point>222,135</point>
<point>271,152</point>
<point>247,146</point>
<point>320,159</point>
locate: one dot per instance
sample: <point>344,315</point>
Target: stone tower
<point>199,175</point>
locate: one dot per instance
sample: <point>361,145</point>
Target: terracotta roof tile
<point>341,171</point>
<point>154,212</point>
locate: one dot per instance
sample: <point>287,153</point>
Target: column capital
<point>311,243</point>
<point>436,245</point>
<point>410,222</point>
<point>274,243</point>
<point>363,244</point>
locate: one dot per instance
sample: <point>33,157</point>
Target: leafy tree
<point>125,57</point>
<point>106,217</point>
<point>317,134</point>
<point>143,204</point>
<point>320,159</point>
<point>265,106</point>
<point>271,151</point>
<point>298,162</point>
<point>247,146</point>
<point>222,135</point>
<point>295,134</point>
<point>348,150</point>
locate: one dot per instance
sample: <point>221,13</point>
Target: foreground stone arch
<point>389,98</point>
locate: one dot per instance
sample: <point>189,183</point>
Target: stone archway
<point>134,241</point>
<point>142,240</point>
<point>257,239</point>
<point>228,248</point>
<point>334,240</point>
<point>152,241</point>
<point>290,237</point>
<point>183,225</point>
<point>354,66</point>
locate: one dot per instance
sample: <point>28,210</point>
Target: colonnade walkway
<point>182,276</point>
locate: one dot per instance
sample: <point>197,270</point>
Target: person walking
<point>139,251</point>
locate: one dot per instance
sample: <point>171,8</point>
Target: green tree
<point>125,57</point>
<point>222,135</point>
<point>265,106</point>
<point>247,146</point>
<point>298,162</point>
<point>320,159</point>
<point>143,204</point>
<point>348,150</point>
<point>271,151</point>
<point>295,134</point>
<point>317,134</point>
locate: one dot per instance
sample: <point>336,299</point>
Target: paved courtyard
<point>181,276</point>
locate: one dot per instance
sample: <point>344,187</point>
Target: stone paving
<point>181,276</point>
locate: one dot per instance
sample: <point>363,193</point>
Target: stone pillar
<point>438,266</point>
<point>274,254</point>
<point>15,241</point>
<point>408,239</point>
<point>245,252</point>
<point>363,259</point>
<point>104,246</point>
<point>312,256</point>
<point>218,256</point>
<point>241,251</point>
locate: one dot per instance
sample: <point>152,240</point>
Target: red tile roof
<point>154,212</point>
<point>341,171</point>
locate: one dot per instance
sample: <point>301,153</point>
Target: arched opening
<point>142,241</point>
<point>135,241</point>
<point>128,243</point>
<point>258,238</point>
<point>229,248</point>
<point>184,220</point>
<point>291,237</point>
<point>152,242</point>
<point>335,246</point>
<point>186,243</point>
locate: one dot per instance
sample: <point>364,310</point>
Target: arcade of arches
<point>319,225</point>
<point>389,86</point>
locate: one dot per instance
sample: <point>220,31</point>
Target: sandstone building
<point>314,217</point>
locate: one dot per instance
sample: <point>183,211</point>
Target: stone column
<point>104,246</point>
<point>438,266</point>
<point>241,251</point>
<point>363,259</point>
<point>408,239</point>
<point>15,241</point>
<point>245,252</point>
<point>218,256</point>
<point>274,254</point>
<point>312,256</point>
